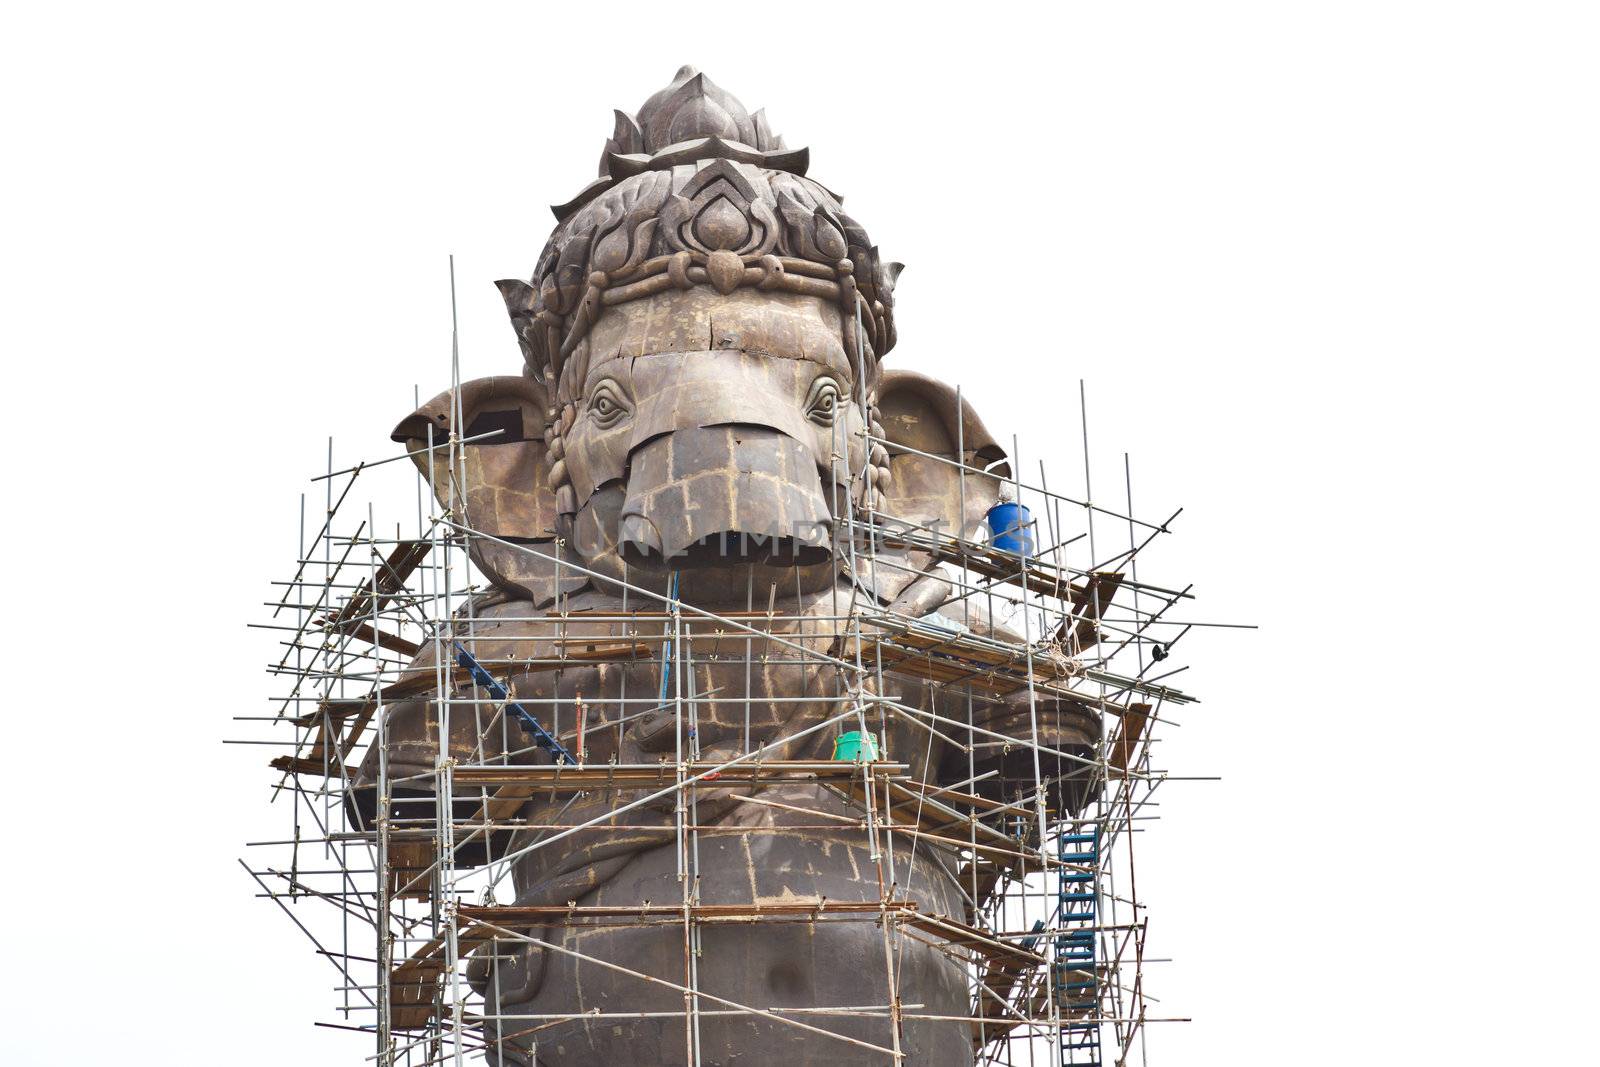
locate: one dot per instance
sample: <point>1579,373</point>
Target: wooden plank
<point>505,803</point>
<point>354,736</point>
<point>980,942</point>
<point>1129,735</point>
<point>988,872</point>
<point>971,800</point>
<point>1000,978</point>
<point>980,559</point>
<point>407,860</point>
<point>1029,1001</point>
<point>303,765</point>
<point>1089,604</point>
<point>983,669</point>
<point>908,807</point>
<point>391,577</point>
<point>393,642</point>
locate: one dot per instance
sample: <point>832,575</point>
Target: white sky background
<point>1329,271</point>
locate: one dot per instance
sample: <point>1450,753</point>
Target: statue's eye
<point>822,405</point>
<point>606,405</point>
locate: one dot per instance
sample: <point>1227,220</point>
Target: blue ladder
<point>524,719</point>
<point>1077,997</point>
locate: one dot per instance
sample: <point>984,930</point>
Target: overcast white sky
<point>1329,271</point>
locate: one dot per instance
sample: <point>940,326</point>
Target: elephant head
<point>702,392</point>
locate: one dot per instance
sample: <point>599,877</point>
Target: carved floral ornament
<point>696,191</point>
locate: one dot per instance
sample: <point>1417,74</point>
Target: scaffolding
<point>395,877</point>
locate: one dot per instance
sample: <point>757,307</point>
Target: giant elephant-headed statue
<point>698,462</point>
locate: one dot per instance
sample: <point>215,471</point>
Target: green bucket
<point>849,747</point>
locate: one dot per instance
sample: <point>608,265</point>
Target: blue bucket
<point>1012,528</point>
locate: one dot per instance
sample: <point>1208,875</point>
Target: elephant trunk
<point>714,495</point>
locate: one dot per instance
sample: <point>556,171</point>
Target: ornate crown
<point>694,190</point>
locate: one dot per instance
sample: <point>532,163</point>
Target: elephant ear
<point>921,414</point>
<point>501,490</point>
